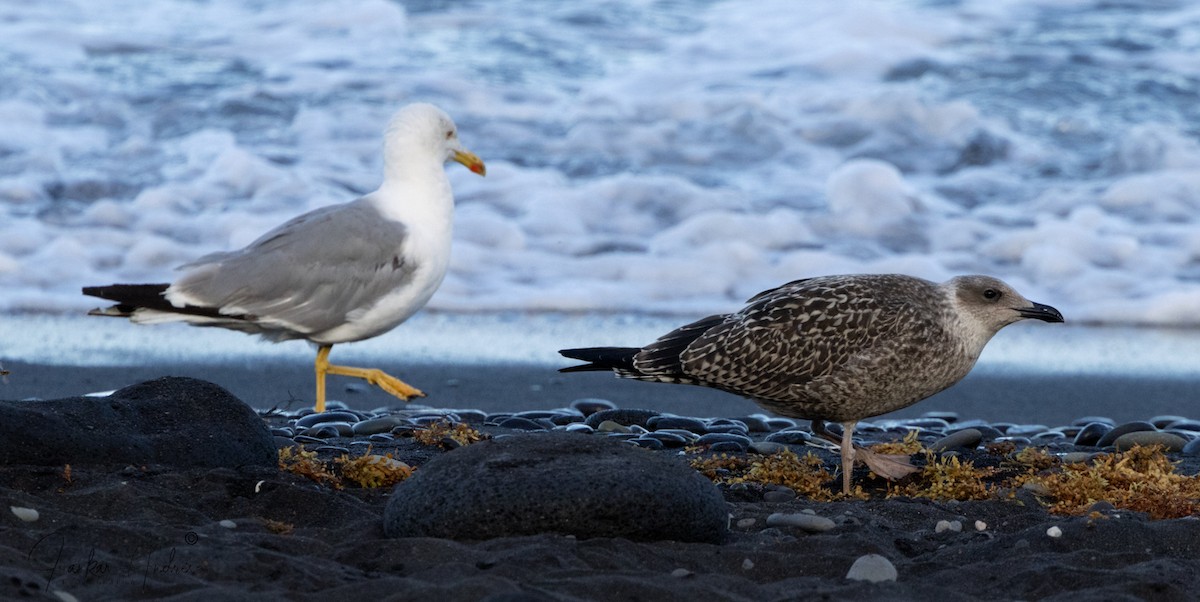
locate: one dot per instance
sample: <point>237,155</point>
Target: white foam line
<point>536,338</point>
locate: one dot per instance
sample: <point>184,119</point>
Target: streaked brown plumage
<point>839,348</point>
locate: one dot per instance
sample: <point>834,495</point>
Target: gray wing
<point>794,334</point>
<point>308,274</point>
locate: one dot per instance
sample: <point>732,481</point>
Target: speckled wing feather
<point>799,343</point>
<point>296,280</point>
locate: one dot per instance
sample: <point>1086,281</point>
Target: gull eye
<point>449,134</point>
<point>991,294</point>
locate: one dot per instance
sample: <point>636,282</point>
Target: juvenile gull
<point>839,348</point>
<point>334,275</point>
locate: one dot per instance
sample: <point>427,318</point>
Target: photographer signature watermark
<point>65,560</point>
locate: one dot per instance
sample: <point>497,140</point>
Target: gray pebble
<point>521,424</point>
<point>1161,422</point>
<point>1076,458</point>
<point>872,568</point>
<point>779,495</point>
<point>326,430</point>
<point>657,423</point>
<point>790,437</point>
<point>610,426</point>
<point>670,440</point>
<point>1129,427</point>
<point>728,447</point>
<point>1169,442</point>
<point>690,436</point>
<point>1184,425</point>
<point>314,419</point>
<point>806,522</point>
<point>382,438</point>
<point>712,438</point>
<point>767,448</point>
<point>578,427</point>
<point>1192,449</point>
<point>627,417</point>
<point>755,424</point>
<point>376,425</point>
<point>964,439</point>
<point>648,442</point>
<point>778,424</point>
<point>1025,430</point>
<point>1091,433</point>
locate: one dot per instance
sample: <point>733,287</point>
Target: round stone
<point>521,424</point>
<point>530,484</point>
<point>756,424</point>
<point>962,439</point>
<point>1162,421</point>
<point>789,437</point>
<point>648,442</point>
<point>1129,427</point>
<point>1169,442</point>
<point>376,425</point>
<point>668,439</point>
<point>323,417</point>
<point>728,447</point>
<point>806,522</point>
<point>872,568</point>
<point>1026,430</point>
<point>767,448</point>
<point>1192,448</point>
<point>1091,433</point>
<point>694,425</point>
<point>627,417</point>
<point>713,438</point>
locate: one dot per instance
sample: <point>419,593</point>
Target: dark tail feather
<point>129,297</point>
<point>601,358</point>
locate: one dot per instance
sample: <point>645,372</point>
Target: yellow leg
<point>376,377</point>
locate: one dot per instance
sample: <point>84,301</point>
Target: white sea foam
<point>643,156</point>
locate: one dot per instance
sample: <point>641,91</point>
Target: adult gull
<point>838,348</point>
<point>338,274</point>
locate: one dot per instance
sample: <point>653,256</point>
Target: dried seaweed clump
<point>947,479</point>
<point>373,470</point>
<point>305,463</point>
<point>1035,459</point>
<point>806,476</point>
<point>722,467</point>
<point>1142,479</point>
<point>905,447</point>
<point>435,433</point>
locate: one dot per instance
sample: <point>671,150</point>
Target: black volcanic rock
<point>172,421</point>
<point>559,483</point>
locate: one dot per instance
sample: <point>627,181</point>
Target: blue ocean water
<point>645,156</point>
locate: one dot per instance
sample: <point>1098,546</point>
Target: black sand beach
<point>159,532</point>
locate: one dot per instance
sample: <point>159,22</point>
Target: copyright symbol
<point>190,538</point>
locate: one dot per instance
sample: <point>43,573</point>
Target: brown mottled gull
<point>839,348</point>
<point>334,275</point>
